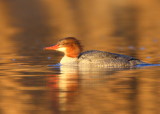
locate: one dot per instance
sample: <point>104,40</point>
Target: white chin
<point>63,49</point>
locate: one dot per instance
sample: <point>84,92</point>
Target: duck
<point>74,55</point>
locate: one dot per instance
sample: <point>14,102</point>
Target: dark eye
<point>65,43</point>
<point>62,44</point>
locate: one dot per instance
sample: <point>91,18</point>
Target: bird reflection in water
<point>66,85</point>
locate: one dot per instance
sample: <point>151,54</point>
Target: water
<point>31,85</point>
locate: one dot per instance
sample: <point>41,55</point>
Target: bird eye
<point>62,44</point>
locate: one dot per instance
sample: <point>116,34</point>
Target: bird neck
<point>73,52</point>
<point>69,60</point>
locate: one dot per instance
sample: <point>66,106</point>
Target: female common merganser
<point>73,55</point>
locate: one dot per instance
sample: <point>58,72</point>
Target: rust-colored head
<point>70,46</point>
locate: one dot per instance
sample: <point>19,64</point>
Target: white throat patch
<point>69,60</point>
<point>63,49</point>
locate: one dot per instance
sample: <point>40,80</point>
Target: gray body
<point>101,59</point>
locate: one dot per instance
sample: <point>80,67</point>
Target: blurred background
<point>121,26</point>
<point>34,23</point>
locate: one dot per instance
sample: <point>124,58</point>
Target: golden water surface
<point>29,86</point>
